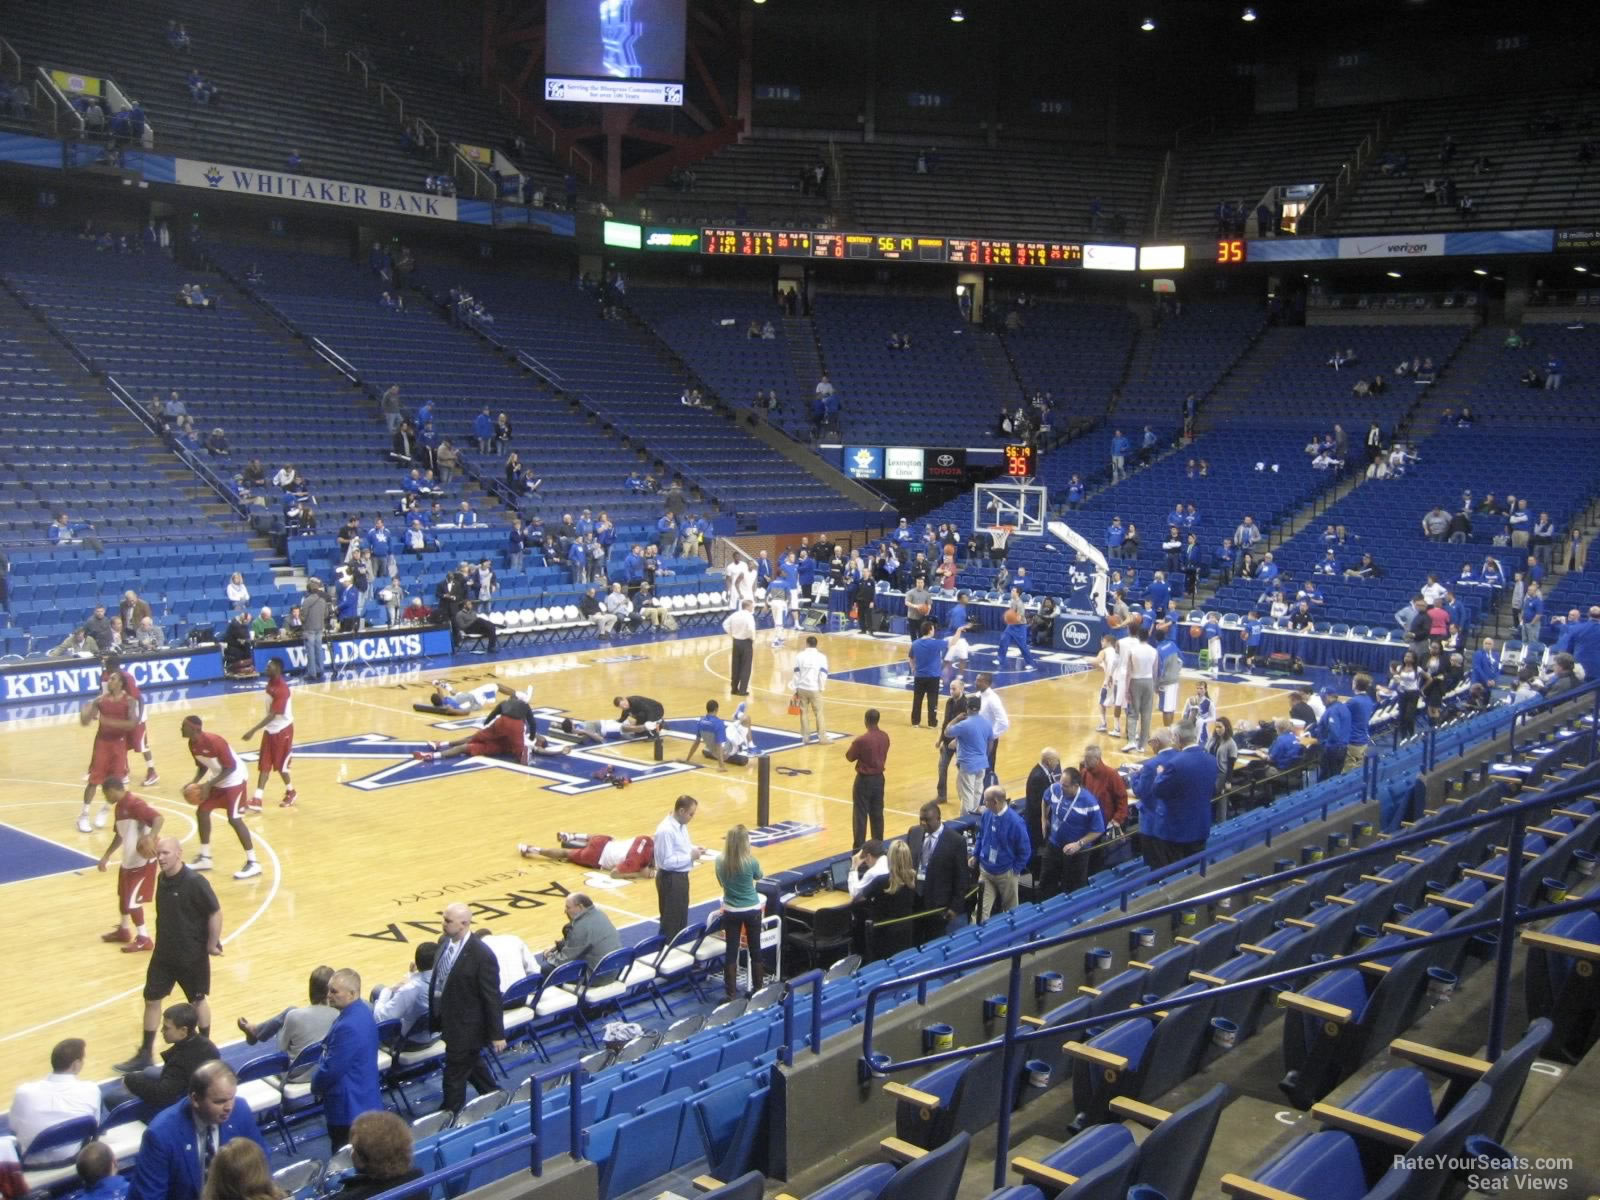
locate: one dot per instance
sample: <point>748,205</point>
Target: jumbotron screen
<point>614,51</point>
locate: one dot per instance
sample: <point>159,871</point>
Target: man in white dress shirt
<point>991,706</point>
<point>675,855</point>
<point>59,1096</point>
<point>1141,658</point>
<point>740,626</point>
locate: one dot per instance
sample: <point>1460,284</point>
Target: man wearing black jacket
<point>1045,772</point>
<point>464,1005</point>
<point>160,1088</point>
<point>940,855</point>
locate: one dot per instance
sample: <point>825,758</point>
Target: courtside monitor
<point>614,51</point>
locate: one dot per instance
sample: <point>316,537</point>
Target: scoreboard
<point>992,252</point>
<point>892,247</point>
<point>1022,461</point>
<point>756,243</point>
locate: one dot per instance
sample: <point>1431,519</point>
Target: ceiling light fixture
<point>1247,15</point>
<point>1479,271</point>
<point>1148,24</point>
<point>1392,274</point>
<point>958,15</point>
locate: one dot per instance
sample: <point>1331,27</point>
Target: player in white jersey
<point>740,580</point>
<point>1113,683</point>
<point>778,605</point>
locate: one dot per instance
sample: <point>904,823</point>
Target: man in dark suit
<point>940,855</point>
<point>347,1077</point>
<point>464,1006</point>
<point>1045,772</point>
<point>179,1145</point>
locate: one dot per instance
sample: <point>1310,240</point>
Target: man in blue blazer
<point>347,1078</point>
<point>182,1140</point>
<point>1185,786</point>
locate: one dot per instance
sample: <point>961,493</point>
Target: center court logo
<point>570,774</point>
<point>1075,635</point>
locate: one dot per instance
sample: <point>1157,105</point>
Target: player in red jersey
<point>624,859</point>
<point>137,826</point>
<point>277,744</point>
<point>137,739</point>
<point>115,712</point>
<point>218,783</point>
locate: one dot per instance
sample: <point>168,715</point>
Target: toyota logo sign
<point>1075,635</point>
<point>946,460</point>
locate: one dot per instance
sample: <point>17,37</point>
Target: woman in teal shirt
<point>737,872</point>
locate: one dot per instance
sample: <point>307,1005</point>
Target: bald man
<point>464,1006</point>
<point>188,935</point>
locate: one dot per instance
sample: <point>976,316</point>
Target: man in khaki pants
<point>810,675</point>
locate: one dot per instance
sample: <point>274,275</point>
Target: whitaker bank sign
<point>280,185</point>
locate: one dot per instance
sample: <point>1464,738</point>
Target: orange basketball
<point>1013,617</point>
<point>192,792</point>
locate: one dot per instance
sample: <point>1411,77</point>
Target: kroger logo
<point>1075,635</point>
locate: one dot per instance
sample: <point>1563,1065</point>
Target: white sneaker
<point>202,863</point>
<point>1130,747</point>
<point>250,871</point>
<point>1101,728</point>
<point>100,817</point>
<point>83,822</point>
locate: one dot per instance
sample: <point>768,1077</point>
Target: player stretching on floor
<point>218,784</point>
<point>137,826</point>
<point>117,714</point>
<point>600,852</point>
<point>137,739</point>
<point>510,731</point>
<point>277,744</point>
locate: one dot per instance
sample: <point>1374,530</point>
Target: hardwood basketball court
<point>356,874</point>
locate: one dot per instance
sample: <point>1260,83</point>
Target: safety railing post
<point>1008,1072</point>
<point>1508,937</point>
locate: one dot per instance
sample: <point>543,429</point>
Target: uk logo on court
<point>571,774</point>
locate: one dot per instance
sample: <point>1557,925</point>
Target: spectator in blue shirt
<point>1073,821</point>
<point>1147,445</point>
<point>971,733</point>
<point>483,430</point>
<point>1226,556</point>
<point>1333,732</point>
<point>1074,491</point>
<point>1158,595</point>
<point>666,532</point>
<point>1532,612</point>
<point>1285,750</point>
<point>1119,456</point>
<point>1002,852</point>
<point>1360,707</point>
<point>1114,538</point>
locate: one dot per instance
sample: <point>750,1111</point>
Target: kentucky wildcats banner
<point>281,185</point>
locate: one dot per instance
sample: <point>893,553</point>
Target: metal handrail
<point>189,459</point>
<point>59,103</point>
<point>812,979</point>
<point>399,105</point>
<point>334,359</point>
<point>480,177</point>
<point>1161,195</point>
<point>529,362</point>
<point>307,15</point>
<point>350,56</point>
<point>879,1064</point>
<point>536,1109</point>
<point>502,90</point>
<point>426,131</point>
<point>8,54</point>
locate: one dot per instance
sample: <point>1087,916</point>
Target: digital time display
<point>1230,251</point>
<point>1021,462</point>
<point>756,243</point>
